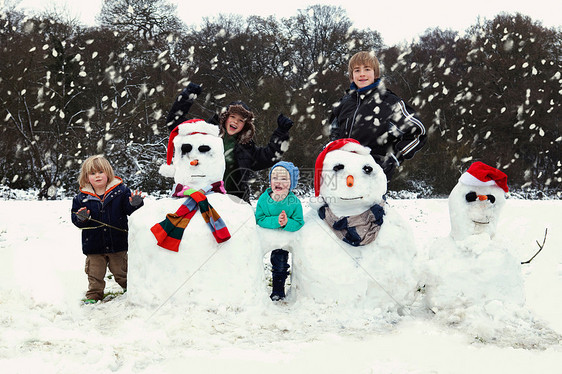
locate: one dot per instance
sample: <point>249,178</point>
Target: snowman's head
<point>348,179</point>
<point>195,154</point>
<point>475,203</point>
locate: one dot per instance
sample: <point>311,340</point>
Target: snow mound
<point>378,275</point>
<point>202,271</point>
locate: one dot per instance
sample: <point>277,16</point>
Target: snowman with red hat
<point>476,202</point>
<point>471,279</point>
<point>182,246</point>
<point>355,250</point>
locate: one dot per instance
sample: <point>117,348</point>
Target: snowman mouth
<point>351,198</point>
<point>480,223</point>
<point>198,176</point>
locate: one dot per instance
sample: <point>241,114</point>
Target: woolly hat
<point>346,144</point>
<point>293,172</point>
<point>241,103</point>
<point>193,126</point>
<point>480,174</point>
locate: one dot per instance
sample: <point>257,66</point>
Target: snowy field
<point>45,328</point>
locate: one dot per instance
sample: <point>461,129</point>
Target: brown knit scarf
<point>356,230</point>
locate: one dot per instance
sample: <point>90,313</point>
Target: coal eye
<point>471,196</point>
<point>186,148</point>
<point>491,198</point>
<point>338,167</point>
<point>204,148</point>
<point>368,169</point>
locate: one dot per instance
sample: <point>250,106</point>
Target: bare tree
<point>149,19</point>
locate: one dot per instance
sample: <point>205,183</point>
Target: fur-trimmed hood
<point>240,108</point>
<point>89,190</point>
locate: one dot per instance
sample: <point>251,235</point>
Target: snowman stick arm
<point>541,246</point>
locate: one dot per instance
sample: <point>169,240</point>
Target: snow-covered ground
<point>45,328</point>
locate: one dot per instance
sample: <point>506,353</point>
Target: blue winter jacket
<point>112,210</point>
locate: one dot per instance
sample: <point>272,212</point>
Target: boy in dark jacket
<point>377,118</point>
<point>237,129</point>
<point>100,209</point>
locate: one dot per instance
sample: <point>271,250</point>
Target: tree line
<point>492,93</point>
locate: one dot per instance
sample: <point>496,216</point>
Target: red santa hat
<point>193,126</point>
<point>190,127</point>
<point>346,144</point>
<point>480,174</point>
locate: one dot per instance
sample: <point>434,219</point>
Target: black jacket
<point>113,210</point>
<point>380,120</point>
<point>251,157</point>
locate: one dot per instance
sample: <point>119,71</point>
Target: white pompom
<point>167,170</point>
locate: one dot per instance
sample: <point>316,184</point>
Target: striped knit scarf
<point>355,230</point>
<point>169,232</point>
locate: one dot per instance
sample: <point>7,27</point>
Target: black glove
<point>191,91</point>
<point>82,215</point>
<point>182,104</point>
<point>284,123</point>
<point>136,200</point>
<point>185,98</point>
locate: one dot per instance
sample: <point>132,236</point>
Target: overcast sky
<point>396,20</point>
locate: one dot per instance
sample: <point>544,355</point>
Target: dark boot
<point>278,292</point>
<point>279,267</point>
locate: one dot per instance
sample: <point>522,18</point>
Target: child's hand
<point>284,122</point>
<point>191,91</point>
<point>83,214</point>
<point>136,198</point>
<point>283,219</point>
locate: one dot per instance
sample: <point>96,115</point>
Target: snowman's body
<point>473,282</point>
<point>459,277</point>
<point>471,267</point>
<point>326,268</point>
<point>192,274</point>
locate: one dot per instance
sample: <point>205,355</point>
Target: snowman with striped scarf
<point>183,246</point>
<point>356,251</point>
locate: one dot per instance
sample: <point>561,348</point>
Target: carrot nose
<point>482,197</point>
<point>194,162</point>
<point>349,181</point>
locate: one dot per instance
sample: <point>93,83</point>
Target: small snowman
<point>355,250</point>
<point>476,202</point>
<point>471,268</point>
<point>200,245</point>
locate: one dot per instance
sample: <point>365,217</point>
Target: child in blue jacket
<point>279,208</point>
<point>100,210</point>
